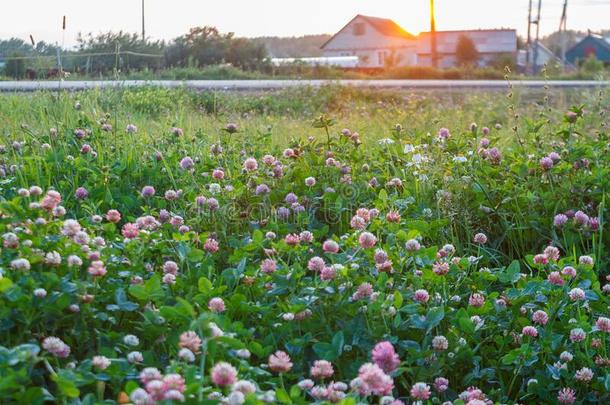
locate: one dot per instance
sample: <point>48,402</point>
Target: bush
<point>592,65</point>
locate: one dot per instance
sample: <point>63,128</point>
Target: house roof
<point>475,30</point>
<point>604,44</point>
<point>603,41</point>
<point>522,53</point>
<point>544,49</point>
<point>596,38</point>
<point>384,26</point>
<point>387,27</point>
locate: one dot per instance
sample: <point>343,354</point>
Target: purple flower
<point>81,193</point>
<point>231,128</point>
<point>555,157</point>
<point>580,218</point>
<point>148,191</point>
<point>80,133</point>
<point>262,189</point>
<point>291,198</point>
<point>444,133</point>
<point>560,220</point>
<point>187,163</point>
<point>546,163</point>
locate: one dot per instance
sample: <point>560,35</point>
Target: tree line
<point>109,52</point>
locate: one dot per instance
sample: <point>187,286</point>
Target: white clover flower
<point>186,355</point>
<point>135,357</point>
<point>418,158</point>
<point>131,340</point>
<point>243,353</point>
<point>235,398</point>
<point>215,188</point>
<point>20,264</point>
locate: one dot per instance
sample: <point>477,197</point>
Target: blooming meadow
<point>155,252</point>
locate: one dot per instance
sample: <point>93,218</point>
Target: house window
<point>381,58</point>
<point>359,29</point>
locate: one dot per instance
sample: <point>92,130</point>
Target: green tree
<point>465,51</point>
<point>204,46</point>
<point>245,54</point>
<point>107,43</point>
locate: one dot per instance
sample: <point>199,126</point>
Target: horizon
<point>276,18</point>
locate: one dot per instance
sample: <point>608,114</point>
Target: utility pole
<point>537,37</point>
<point>528,45</point>
<point>563,32</point>
<point>433,53</point>
<point>63,40</point>
<point>143,31</point>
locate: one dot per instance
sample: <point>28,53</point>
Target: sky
<point>167,19</point>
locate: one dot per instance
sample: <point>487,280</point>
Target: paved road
<point>253,85</point>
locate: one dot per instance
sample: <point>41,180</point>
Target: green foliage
<point>206,46</point>
<point>110,43</point>
<point>592,65</point>
<point>423,196</point>
<point>466,52</point>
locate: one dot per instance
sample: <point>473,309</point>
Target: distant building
<point>491,45</point>
<point>380,42</point>
<point>544,57</point>
<point>591,45</point>
<point>347,62</point>
<point>377,42</point>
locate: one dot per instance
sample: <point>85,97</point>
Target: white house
<point>380,42</point>
<point>377,42</point>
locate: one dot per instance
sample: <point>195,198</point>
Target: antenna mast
<point>537,37</point>
<point>528,45</point>
<point>563,32</point>
<point>143,31</point>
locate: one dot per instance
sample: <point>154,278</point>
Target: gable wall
<point>371,46</point>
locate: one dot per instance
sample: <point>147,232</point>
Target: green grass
<point>285,113</point>
<point>429,190</point>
